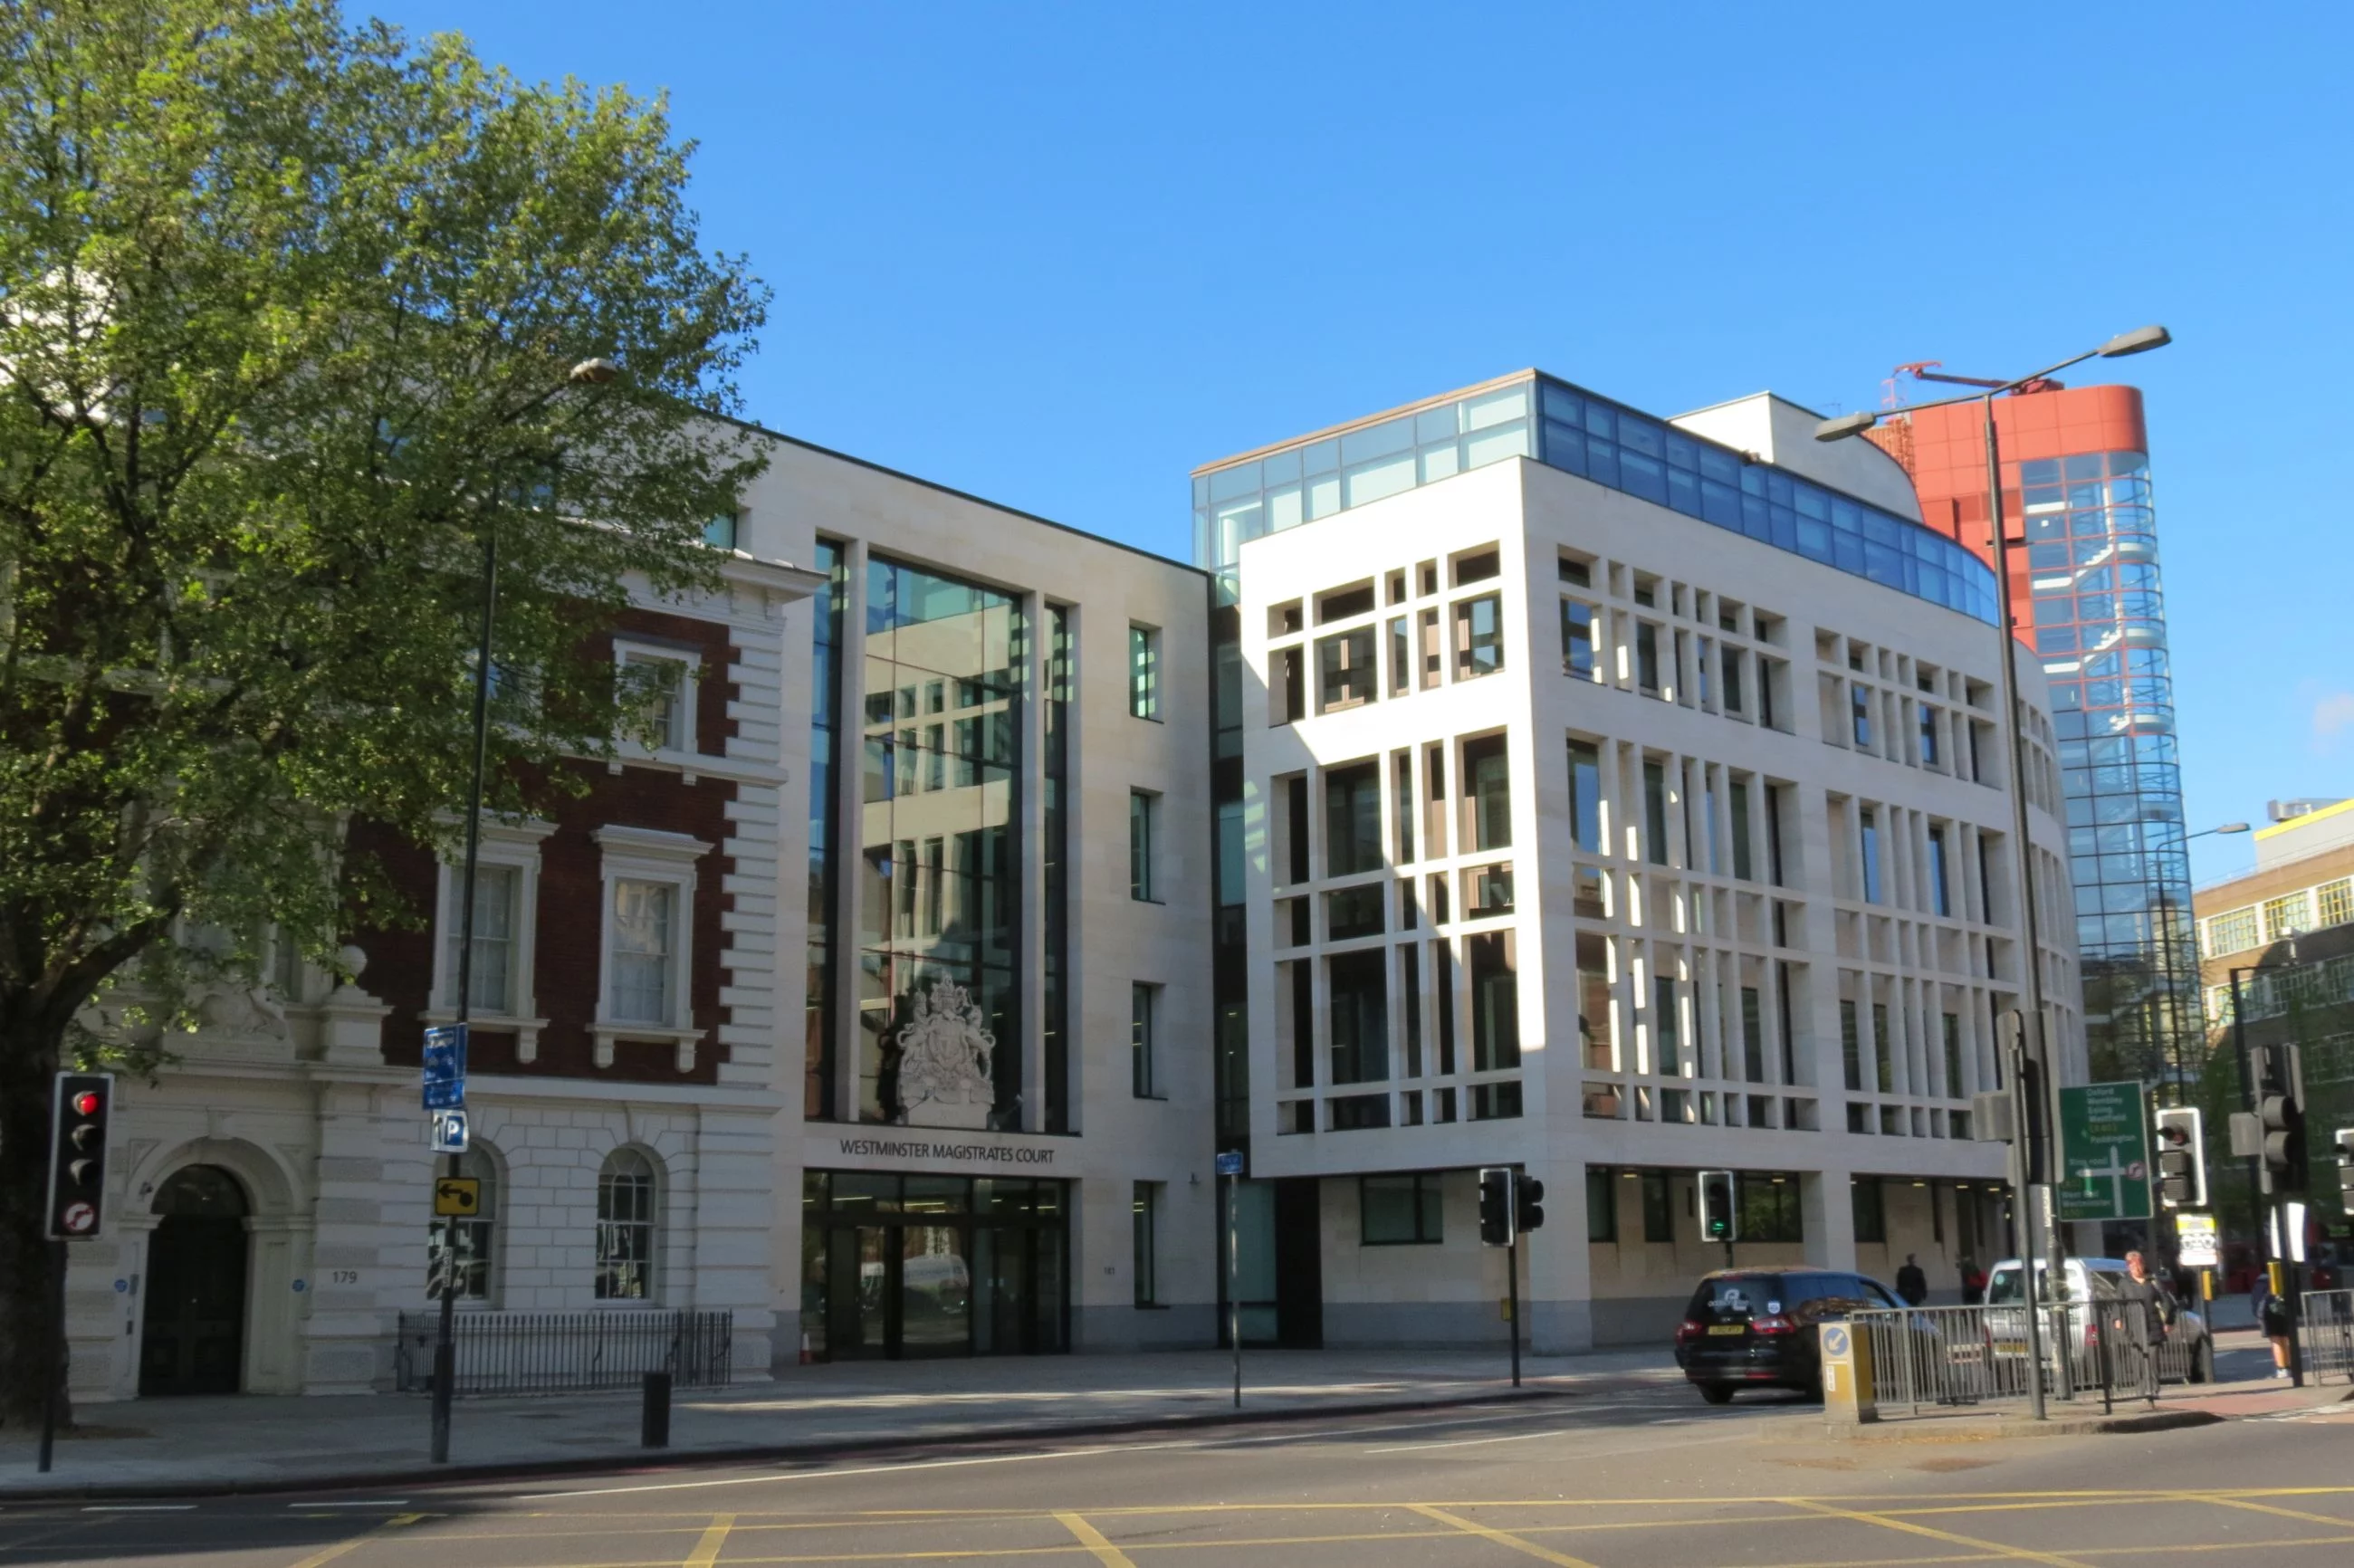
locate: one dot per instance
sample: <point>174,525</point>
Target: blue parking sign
<point>445,1067</point>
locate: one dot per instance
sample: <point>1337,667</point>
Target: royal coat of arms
<point>944,1056</point>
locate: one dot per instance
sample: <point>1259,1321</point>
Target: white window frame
<point>649,855</point>
<point>509,845</point>
<point>650,651</point>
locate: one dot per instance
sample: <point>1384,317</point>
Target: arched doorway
<point>193,1339</point>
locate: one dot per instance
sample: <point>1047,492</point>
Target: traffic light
<point>2181,1159</point>
<point>1718,1221</point>
<point>2279,1077</point>
<point>78,1113</point>
<point>1496,1205</point>
<point>2345,1141</point>
<point>1528,1205</point>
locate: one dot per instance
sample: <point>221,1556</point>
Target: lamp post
<point>588,372</point>
<point>2139,341</point>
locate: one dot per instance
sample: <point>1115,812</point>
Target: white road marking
<point>370,1502</point>
<point>139,1508</point>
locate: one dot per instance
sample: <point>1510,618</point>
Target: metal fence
<point>2104,1351</point>
<point>555,1353</point>
<point>2327,1334</point>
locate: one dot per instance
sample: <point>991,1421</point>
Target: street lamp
<point>2139,341</point>
<point>592,372</point>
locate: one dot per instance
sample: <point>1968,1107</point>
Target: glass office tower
<point>2086,598</point>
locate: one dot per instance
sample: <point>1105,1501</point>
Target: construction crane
<point>1934,370</point>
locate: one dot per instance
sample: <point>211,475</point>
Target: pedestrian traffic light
<point>1496,1205</point>
<point>2345,1142</point>
<point>2181,1159</point>
<point>1528,1205</point>
<point>78,1113</point>
<point>1718,1223</point>
<point>2279,1078</point>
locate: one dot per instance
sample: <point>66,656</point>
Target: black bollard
<point>653,1417</point>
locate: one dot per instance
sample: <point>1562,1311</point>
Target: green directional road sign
<point>2105,1152</point>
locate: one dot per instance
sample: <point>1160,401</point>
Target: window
<point>1478,637</point>
<point>1871,827</point>
<point>1733,664</point>
<point>1667,1048</point>
<point>644,950</point>
<point>1658,1207</point>
<point>1953,1041</point>
<point>1401,658</point>
<point>1655,813</point>
<point>2287,915</point>
<point>1870,1212</point>
<point>2337,902</point>
<point>1344,670</point>
<point>1401,1211</point>
<point>1737,797</point>
<point>1882,1051</point>
<point>721,532</point>
<point>1601,1204</point>
<point>1940,891</point>
<point>1577,639</point>
<point>1495,1002</point>
<point>1352,819</point>
<point>1487,793</point>
<point>1647,657</point>
<point>2234,932</point>
<point>1143,1002</point>
<point>625,1227</point>
<point>1143,825</point>
<point>1433,660</point>
<point>1752,1035</point>
<point>1402,783</point>
<point>1770,1207</point>
<point>1851,1045</point>
<point>648,894</point>
<point>1928,735</point>
<point>466,1244</point>
<point>1859,707</point>
<point>1360,1015</point>
<point>498,943</point>
<point>661,681</point>
<point>1144,671</point>
<point>1144,1207</point>
<point>1586,796</point>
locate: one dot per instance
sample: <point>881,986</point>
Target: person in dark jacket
<point>1974,1281</point>
<point>2272,1317</point>
<point>1911,1285</point>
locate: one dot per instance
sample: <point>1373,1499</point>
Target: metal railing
<point>556,1353</point>
<point>2325,1329</point>
<point>1931,1357</point>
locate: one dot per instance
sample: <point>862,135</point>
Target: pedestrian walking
<point>1911,1285</point>
<point>2142,1318</point>
<point>2272,1317</point>
<point>1974,1281</point>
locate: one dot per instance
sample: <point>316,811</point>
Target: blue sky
<point>1057,255</point>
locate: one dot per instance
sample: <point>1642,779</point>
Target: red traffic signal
<point>78,1139</point>
<point>87,1102</point>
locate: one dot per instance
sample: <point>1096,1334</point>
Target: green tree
<point>287,307</point>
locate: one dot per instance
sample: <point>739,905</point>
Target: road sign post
<point>1230,1173</point>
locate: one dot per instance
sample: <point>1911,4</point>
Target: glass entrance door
<point>935,1292</point>
<point>931,1266</point>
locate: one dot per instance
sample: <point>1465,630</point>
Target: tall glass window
<point>625,1227</point>
<point>1478,637</point>
<point>950,996</point>
<point>1144,671</point>
<point>1143,823</point>
<point>1495,1002</point>
<point>490,985</point>
<point>1655,813</point>
<point>1488,792</point>
<point>1940,896</point>
<point>1586,795</point>
<point>1352,818</point>
<point>1577,639</point>
<point>819,1016</point>
<point>1870,863</point>
<point>1143,1002</point>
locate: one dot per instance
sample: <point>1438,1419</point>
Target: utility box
<point>1848,1397</point>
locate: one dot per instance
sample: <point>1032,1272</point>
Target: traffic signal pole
<point>1512,1288</point>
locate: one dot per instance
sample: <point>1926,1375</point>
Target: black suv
<point>1756,1327</point>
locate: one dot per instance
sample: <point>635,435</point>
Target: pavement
<point>1638,1477</point>
<point>190,1446</point>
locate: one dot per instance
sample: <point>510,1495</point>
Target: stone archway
<point>258,1267</point>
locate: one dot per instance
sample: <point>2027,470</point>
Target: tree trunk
<point>30,1361</point>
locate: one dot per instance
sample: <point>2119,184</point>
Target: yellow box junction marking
<point>1095,1540</point>
<point>1488,1533</point>
<point>715,1536</point>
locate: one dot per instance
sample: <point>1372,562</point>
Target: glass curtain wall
<point>940,860</point>
<point>2099,630</point>
<point>825,769</point>
<point>1057,812</point>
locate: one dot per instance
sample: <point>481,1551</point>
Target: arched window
<point>625,1227</point>
<point>466,1240</point>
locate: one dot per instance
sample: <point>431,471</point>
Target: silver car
<point>2185,1350</point>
